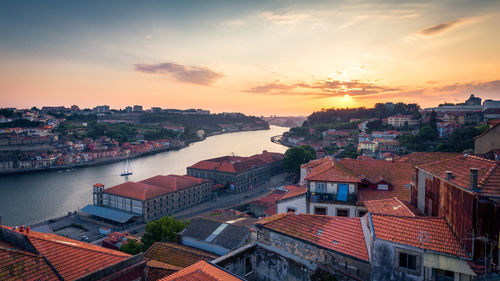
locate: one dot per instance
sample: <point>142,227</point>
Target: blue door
<point>343,190</point>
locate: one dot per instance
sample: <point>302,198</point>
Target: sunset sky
<point>257,57</point>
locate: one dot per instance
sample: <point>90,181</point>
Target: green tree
<point>132,247</point>
<point>427,133</point>
<point>296,156</point>
<point>461,139</point>
<point>164,229</point>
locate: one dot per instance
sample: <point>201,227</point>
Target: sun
<point>346,96</point>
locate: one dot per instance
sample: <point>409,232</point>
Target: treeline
<point>343,115</point>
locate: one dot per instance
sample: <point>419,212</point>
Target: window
<point>319,210</point>
<point>361,213</point>
<point>290,210</point>
<point>248,265</point>
<point>407,261</point>
<point>321,187</point>
<point>383,187</point>
<point>342,212</point>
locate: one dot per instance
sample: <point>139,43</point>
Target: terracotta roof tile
<point>340,234</point>
<point>430,233</point>
<point>176,255</point>
<point>201,271</point>
<point>336,173</point>
<point>72,259</point>
<point>392,206</point>
<point>136,190</point>
<point>174,182</point>
<point>488,173</point>
<point>293,191</point>
<point>16,264</point>
<point>420,158</point>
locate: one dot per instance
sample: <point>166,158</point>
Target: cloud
<point>370,90</point>
<point>188,74</point>
<point>284,19</point>
<point>442,27</point>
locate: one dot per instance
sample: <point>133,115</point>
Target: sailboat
<point>126,172</point>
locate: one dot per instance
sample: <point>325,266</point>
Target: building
<point>445,129</point>
<point>117,239</point>
<point>402,120</point>
<point>340,188</point>
<point>31,255</point>
<point>217,233</point>
<point>414,248</point>
<point>155,109</point>
<point>101,109</point>
<point>137,108</point>
<point>167,258</point>
<point>308,244</point>
<point>488,141</point>
<point>491,114</point>
<point>465,191</point>
<point>367,146</point>
<point>202,271</point>
<point>238,173</point>
<point>148,199</point>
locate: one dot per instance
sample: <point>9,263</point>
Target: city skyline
<point>258,58</point>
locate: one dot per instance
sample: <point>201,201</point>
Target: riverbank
<point>116,159</point>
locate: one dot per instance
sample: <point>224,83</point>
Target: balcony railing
<point>316,197</point>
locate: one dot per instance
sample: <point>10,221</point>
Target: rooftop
<point>392,206</point>
<point>201,271</point>
<point>71,259</point>
<point>420,158</point>
<point>176,255</point>
<point>488,173</point>
<point>430,233</point>
<point>293,191</point>
<point>236,164</point>
<point>340,234</point>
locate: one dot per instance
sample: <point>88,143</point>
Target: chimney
<point>449,175</point>
<point>473,178</point>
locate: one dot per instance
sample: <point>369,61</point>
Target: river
<point>33,197</point>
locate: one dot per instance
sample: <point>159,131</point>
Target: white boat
<point>127,171</point>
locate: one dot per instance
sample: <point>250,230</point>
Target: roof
<point>108,213</point>
<point>429,233</point>
<point>392,206</point>
<point>419,158</point>
<point>340,234</point>
<point>17,264</point>
<point>237,164</point>
<point>176,255</point>
<point>227,234</point>
<point>136,190</point>
<point>174,182</point>
<point>201,271</point>
<point>293,191</point>
<point>335,173</point>
<point>398,174</point>
<point>268,200</point>
<point>71,259</point>
<point>154,186</point>
<point>488,173</point>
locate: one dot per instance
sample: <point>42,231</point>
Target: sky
<point>256,57</point>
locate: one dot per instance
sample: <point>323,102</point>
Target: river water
<point>34,197</point>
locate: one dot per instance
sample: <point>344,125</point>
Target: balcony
<point>316,197</point>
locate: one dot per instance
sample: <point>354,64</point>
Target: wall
<point>331,209</point>
<point>325,259</point>
<point>383,263</point>
<point>488,141</point>
<point>299,203</point>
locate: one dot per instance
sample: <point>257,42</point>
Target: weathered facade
<point>487,141</point>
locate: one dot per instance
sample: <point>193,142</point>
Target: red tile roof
<point>396,173</point>
<point>154,186</point>
<point>335,173</point>
<point>136,190</point>
<point>201,271</point>
<point>430,233</point>
<point>174,182</point>
<point>236,164</point>
<point>72,259</point>
<point>392,206</point>
<point>420,158</point>
<point>340,234</point>
<point>488,173</point>
<point>293,191</point>
<point>17,264</point>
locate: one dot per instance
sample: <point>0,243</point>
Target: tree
<point>433,120</point>
<point>296,156</point>
<point>461,139</point>
<point>164,229</point>
<point>132,247</point>
<point>428,133</point>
